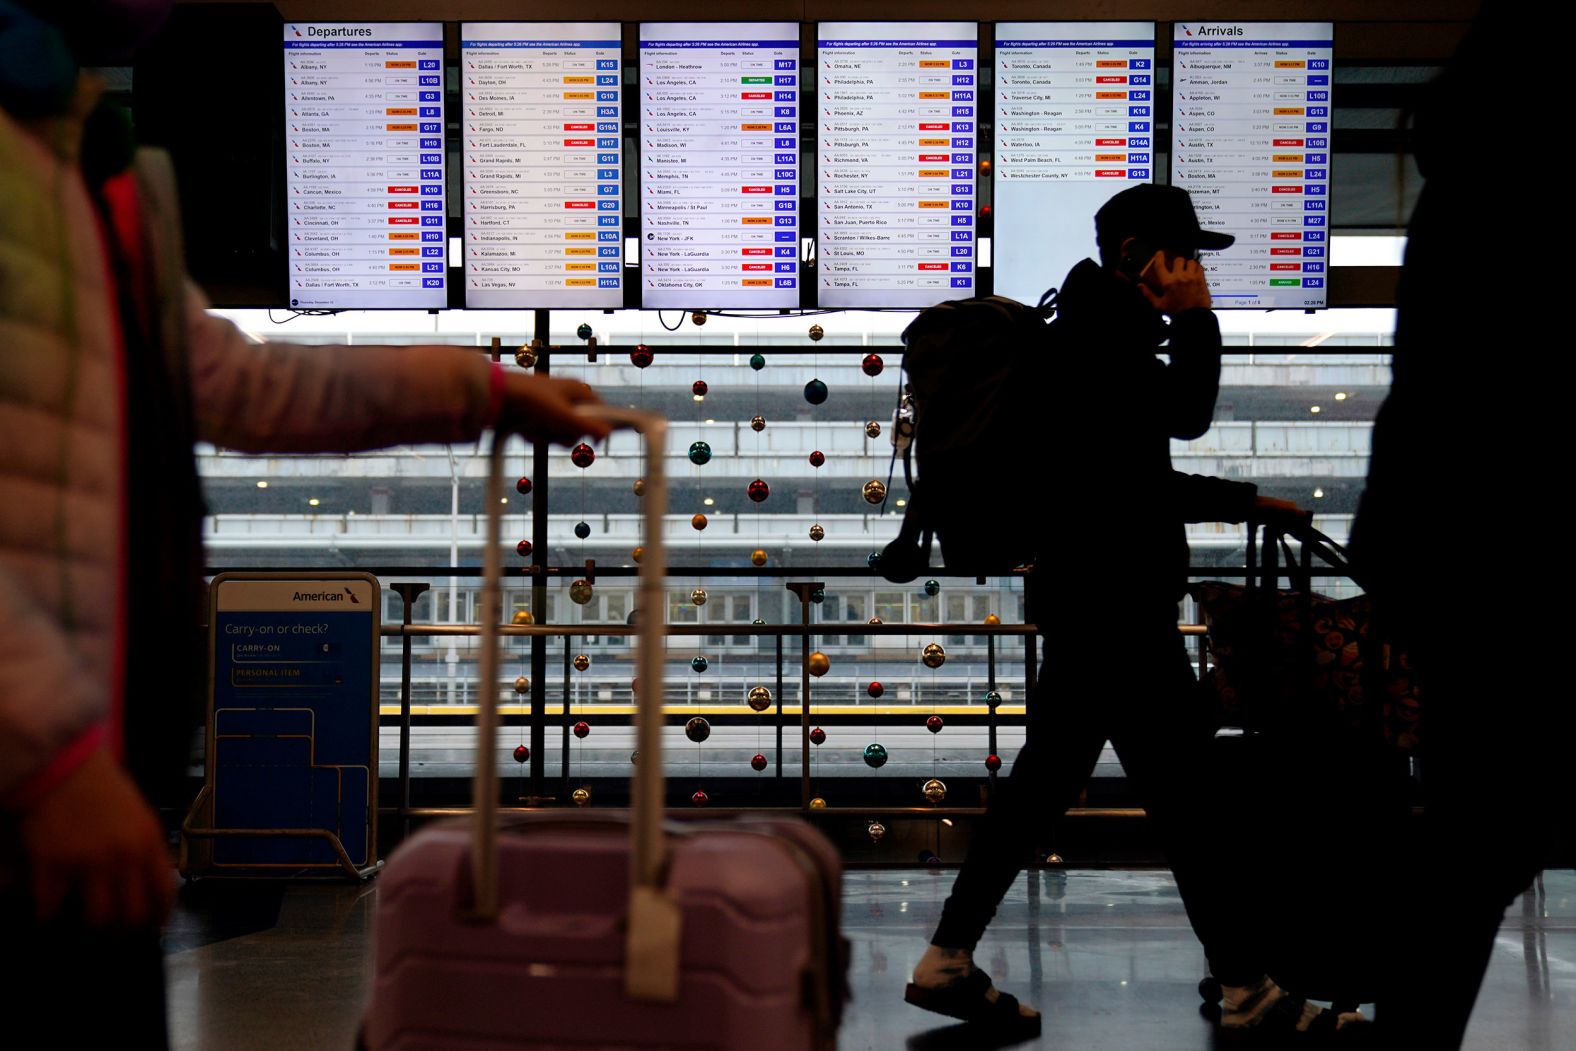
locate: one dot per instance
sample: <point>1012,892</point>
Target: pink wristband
<point>30,792</point>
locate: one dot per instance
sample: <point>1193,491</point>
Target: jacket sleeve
<point>1192,380</point>
<point>280,397</point>
<point>1201,498</point>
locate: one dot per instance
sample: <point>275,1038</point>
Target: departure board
<point>719,164</point>
<point>1074,126</point>
<point>543,147</point>
<point>1251,143</point>
<point>365,165</point>
<point>895,179</point>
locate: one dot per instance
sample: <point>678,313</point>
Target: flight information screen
<point>719,164</point>
<point>1251,142</point>
<point>543,146</point>
<point>895,179</point>
<point>1074,126</point>
<point>365,165</point>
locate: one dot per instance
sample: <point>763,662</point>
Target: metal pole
<point>804,589</point>
<point>539,469</point>
<point>779,706</point>
<point>408,593</point>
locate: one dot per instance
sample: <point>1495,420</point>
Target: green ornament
<point>700,453</point>
<point>584,331</point>
<point>875,756</point>
<point>757,362</point>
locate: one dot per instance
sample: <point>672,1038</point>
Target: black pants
<point>1140,698</point>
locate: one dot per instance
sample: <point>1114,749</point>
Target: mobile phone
<point>1149,275</point>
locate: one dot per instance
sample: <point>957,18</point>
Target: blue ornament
<point>699,664</point>
<point>815,392</point>
<point>873,560</point>
<point>875,756</point>
<point>582,530</point>
<point>932,588</point>
<point>700,453</point>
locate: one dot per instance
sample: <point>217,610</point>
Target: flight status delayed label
<point>896,183</point>
<point>719,180</point>
<point>1251,143</point>
<point>543,145</point>
<point>1074,126</point>
<point>365,164</point>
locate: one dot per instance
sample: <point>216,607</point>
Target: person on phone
<point>1110,570</point>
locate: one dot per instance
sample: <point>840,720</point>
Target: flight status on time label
<point>543,139</point>
<point>1074,127</point>
<point>719,173</point>
<point>898,114</point>
<point>364,153</point>
<point>1251,143</point>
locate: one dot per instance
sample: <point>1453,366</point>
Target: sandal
<point>965,1000</point>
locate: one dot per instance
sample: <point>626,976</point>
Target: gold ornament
<point>934,791</point>
<point>758,557</point>
<point>757,423</point>
<point>873,620</point>
<point>816,533</point>
<point>872,429</point>
<point>817,803</point>
<point>638,554</point>
<point>698,596</point>
<point>523,616</point>
<point>697,318</point>
<point>876,830</point>
<point>875,492</point>
<point>934,656</point>
<point>582,662</point>
<point>760,699</point>
<point>820,664</point>
<point>640,487</point>
<point>522,685</point>
<point>525,357</point>
<point>991,620</point>
<point>580,592</point>
<point>816,332</point>
<point>581,796</point>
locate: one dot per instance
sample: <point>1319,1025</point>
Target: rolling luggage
<point>587,929</point>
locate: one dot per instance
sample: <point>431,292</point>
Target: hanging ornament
<point>873,620</point>
<point>639,487</point>
<point>523,616</point>
<point>637,554</point>
<point>993,763</point>
<point>817,458</point>
<point>582,530</point>
<point>584,331</point>
<point>758,557</point>
<point>758,762</point>
<point>875,491</point>
<point>581,796</point>
<point>873,560</point>
<point>698,665</point>
<point>582,729</point>
<point>876,831</point>
<point>872,429</point>
<point>697,319</point>
<point>698,523</point>
<point>817,803</point>
<point>816,332</point>
<point>932,588</point>
<point>522,685</point>
<point>580,592</point>
<point>757,622</point>
<point>993,698</point>
<point>933,724</point>
<point>929,857</point>
<point>522,754</point>
<point>525,357</point>
<point>1053,859</point>
<point>523,486</point>
<point>697,729</point>
<point>699,388</point>
<point>818,736</point>
<point>700,798</point>
<point>523,549</point>
<point>758,491</point>
<point>934,656</point>
<point>875,689</point>
<point>699,453</point>
<point>641,357</point>
<point>816,532</point>
<point>634,758</point>
<point>820,664</point>
<point>582,662</point>
<point>818,596</point>
<point>582,455</point>
<point>991,620</point>
<point>757,423</point>
<point>872,364</point>
<point>875,756</point>
<point>633,618</point>
<point>698,596</point>
<point>757,362</point>
<point>815,392</point>
<point>759,699</point>
<point>934,791</point>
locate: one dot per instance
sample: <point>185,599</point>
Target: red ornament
<point>523,486</point>
<point>582,455</point>
<point>759,490</point>
<point>521,753</point>
<point>818,736</point>
<point>700,798</point>
<point>582,729</point>
<point>933,724</point>
<point>872,364</point>
<point>875,689</point>
<point>993,763</point>
<point>817,458</point>
<point>699,388</point>
<point>758,762</point>
<point>523,549</point>
<point>641,356</point>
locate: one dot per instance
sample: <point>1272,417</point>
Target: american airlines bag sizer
<point>607,930</point>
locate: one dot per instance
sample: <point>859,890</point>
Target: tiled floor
<point>1107,956</point>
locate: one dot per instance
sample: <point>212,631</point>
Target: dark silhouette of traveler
<point>1111,568</point>
<point>1462,418</point>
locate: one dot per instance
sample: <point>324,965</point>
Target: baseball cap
<point>1159,214</point>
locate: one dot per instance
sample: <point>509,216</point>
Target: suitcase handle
<point>651,964</point>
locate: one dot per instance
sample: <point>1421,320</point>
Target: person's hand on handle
<point>542,408</point>
<point>1173,284</point>
<point>1281,515</point>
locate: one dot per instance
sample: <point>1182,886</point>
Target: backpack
<point>976,372</point>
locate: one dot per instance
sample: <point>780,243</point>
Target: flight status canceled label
<point>1074,126</point>
<point>364,160</point>
<point>719,179</point>
<point>1251,143</point>
<point>543,146</point>
<point>896,185</point>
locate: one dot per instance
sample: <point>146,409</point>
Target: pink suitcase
<point>605,930</point>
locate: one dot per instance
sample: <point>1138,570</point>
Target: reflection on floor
<point>1107,956</point>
